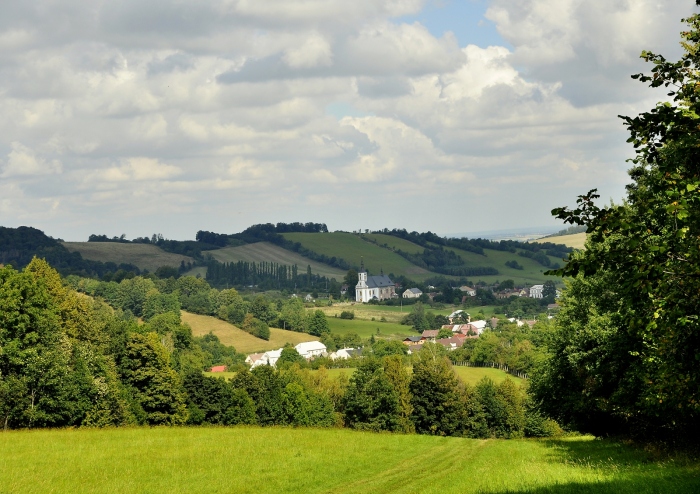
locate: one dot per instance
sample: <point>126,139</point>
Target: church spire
<point>362,264</point>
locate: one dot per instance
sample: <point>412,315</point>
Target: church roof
<point>380,281</point>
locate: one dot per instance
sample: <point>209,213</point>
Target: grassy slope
<point>239,339</point>
<point>577,240</point>
<point>531,273</point>
<point>352,248</point>
<point>472,375</point>
<point>144,256</point>
<point>394,242</point>
<point>368,328</point>
<point>265,251</point>
<point>278,460</point>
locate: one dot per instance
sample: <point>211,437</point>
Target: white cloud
<point>24,161</point>
<point>137,110</point>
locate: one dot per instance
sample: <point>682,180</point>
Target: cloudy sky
<point>172,116</point>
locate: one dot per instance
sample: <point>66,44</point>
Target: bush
<point>347,314</point>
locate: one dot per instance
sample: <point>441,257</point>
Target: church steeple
<point>362,265</point>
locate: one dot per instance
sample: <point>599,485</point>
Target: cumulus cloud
<point>24,161</point>
<point>239,111</point>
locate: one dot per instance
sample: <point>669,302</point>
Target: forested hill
<point>19,245</point>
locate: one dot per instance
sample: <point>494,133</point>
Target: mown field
<point>145,256</point>
<point>243,342</point>
<point>285,460</point>
<point>353,249</point>
<point>267,252</point>
<point>368,328</point>
<point>577,240</point>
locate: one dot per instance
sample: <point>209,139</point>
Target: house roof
<point>310,346</point>
<point>413,338</point>
<point>380,281</point>
<point>415,290</point>
<point>451,342</point>
<point>218,368</point>
<point>254,356</point>
<point>430,333</point>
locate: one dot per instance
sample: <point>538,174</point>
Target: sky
<point>173,116</point>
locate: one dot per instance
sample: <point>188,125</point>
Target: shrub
<point>347,314</point>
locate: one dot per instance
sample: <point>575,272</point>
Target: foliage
<point>647,250</point>
<point>371,401</point>
<point>316,324</point>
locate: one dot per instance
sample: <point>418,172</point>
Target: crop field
<point>145,256</point>
<point>217,460</point>
<point>267,252</point>
<point>577,240</point>
<point>352,248</point>
<point>243,342</point>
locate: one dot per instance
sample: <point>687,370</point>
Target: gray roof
<point>380,281</point>
<point>415,290</point>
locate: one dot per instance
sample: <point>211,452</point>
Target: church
<point>373,287</point>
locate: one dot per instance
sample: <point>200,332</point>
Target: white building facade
<point>369,287</point>
<point>536,291</point>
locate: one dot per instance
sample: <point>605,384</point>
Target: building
<point>218,368</point>
<point>373,287</point>
<point>310,349</point>
<point>468,290</point>
<point>412,293</point>
<point>536,291</point>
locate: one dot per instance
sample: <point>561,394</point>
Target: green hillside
<point>218,460</point>
<point>352,248</point>
<point>392,242</point>
<point>145,256</point>
<point>532,272</point>
<point>267,252</point>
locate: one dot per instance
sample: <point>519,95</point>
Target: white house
<point>268,358</point>
<point>536,291</point>
<point>468,290</point>
<point>478,326</point>
<point>342,354</point>
<point>456,314</point>
<point>309,349</point>
<point>253,358</point>
<point>370,287</point>
<point>412,293</point>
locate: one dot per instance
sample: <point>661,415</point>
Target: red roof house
<point>218,368</point>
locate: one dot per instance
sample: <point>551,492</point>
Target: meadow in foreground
<point>222,460</point>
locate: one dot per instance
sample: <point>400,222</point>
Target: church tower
<point>361,289</point>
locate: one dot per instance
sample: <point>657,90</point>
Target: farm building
<point>218,368</point>
<point>310,349</point>
<point>412,293</point>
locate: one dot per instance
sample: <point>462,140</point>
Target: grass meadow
<point>472,375</point>
<point>368,328</point>
<point>243,342</point>
<point>267,252</point>
<point>145,256</point>
<point>218,460</point>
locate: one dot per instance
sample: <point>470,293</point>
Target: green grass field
<point>472,375</point>
<point>145,256</point>
<point>394,242</point>
<point>285,460</point>
<point>243,342</point>
<point>368,328</point>
<point>265,251</point>
<point>353,249</point>
<point>577,240</point>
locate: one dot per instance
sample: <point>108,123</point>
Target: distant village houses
<point>412,293</point>
<point>536,291</point>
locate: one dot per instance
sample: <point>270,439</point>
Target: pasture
<point>577,240</point>
<point>267,252</point>
<point>145,256</point>
<point>243,342</point>
<point>217,460</point>
<point>353,249</point>
<point>365,328</point>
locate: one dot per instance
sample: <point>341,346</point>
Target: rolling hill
<point>353,249</point>
<point>243,342</point>
<point>145,256</point>
<point>265,251</point>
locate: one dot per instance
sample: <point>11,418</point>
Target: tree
<point>647,249</point>
<point>289,356</point>
<point>438,407</point>
<point>317,324</point>
<point>371,402</point>
<point>549,290</point>
<point>351,279</point>
<point>395,370</point>
<point>146,368</point>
